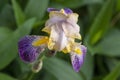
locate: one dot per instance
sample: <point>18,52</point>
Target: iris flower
<point>63,29</point>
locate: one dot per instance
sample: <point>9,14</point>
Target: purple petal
<point>84,50</point>
<point>27,52</point>
<point>68,11</point>
<point>78,59</point>
<point>52,9</point>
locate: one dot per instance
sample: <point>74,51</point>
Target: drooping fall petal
<point>27,51</point>
<point>78,59</point>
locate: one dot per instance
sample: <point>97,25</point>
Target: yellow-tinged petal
<point>63,11</point>
<point>73,17</point>
<point>51,44</point>
<point>78,36</point>
<point>77,50</point>
<point>57,14</point>
<point>65,51</point>
<point>71,30</point>
<point>40,41</point>
<point>68,47</point>
<point>46,29</point>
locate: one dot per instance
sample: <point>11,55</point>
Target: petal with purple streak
<point>52,9</point>
<point>78,59</point>
<point>27,52</point>
<point>68,11</point>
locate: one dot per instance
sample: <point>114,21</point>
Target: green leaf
<point>4,32</point>
<point>8,50</point>
<point>2,3</point>
<point>117,5</point>
<point>77,3</point>
<point>101,22</point>
<point>36,8</point>
<point>110,45</point>
<point>61,69</point>
<point>114,74</point>
<point>6,16</point>
<point>19,15</point>
<point>6,77</point>
<point>49,76</point>
<point>111,63</point>
<point>88,72</point>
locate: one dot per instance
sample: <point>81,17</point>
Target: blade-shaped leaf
<point>4,32</point>
<point>8,50</point>
<point>6,77</point>
<point>88,72</point>
<point>101,22</point>
<point>114,74</point>
<point>77,3</point>
<point>117,5</point>
<point>110,45</point>
<point>61,69</point>
<point>6,16</point>
<point>2,3</point>
<point>36,8</point>
<point>19,15</point>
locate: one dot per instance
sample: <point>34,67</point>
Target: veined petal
<point>77,59</point>
<point>55,18</point>
<point>58,40</point>
<point>73,17</point>
<point>71,31</point>
<point>60,14</point>
<point>27,51</point>
<point>52,9</point>
<point>68,11</point>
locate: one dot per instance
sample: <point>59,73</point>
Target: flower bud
<point>37,66</point>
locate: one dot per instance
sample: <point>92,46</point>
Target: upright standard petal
<point>78,58</point>
<point>57,40</point>
<point>52,9</point>
<point>27,51</point>
<point>68,11</point>
<point>71,30</point>
<point>73,17</point>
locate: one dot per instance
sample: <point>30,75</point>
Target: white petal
<point>56,18</point>
<point>58,37</point>
<point>73,17</point>
<point>71,30</point>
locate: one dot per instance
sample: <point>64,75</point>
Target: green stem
<point>32,74</point>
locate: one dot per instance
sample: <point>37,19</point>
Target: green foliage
<point>101,22</point>
<point>36,8</point>
<point>4,31</point>
<point>77,3</point>
<point>58,68</point>
<point>86,71</point>
<point>19,15</point>
<point>100,27</point>
<point>6,77</point>
<point>110,44</point>
<point>118,5</point>
<point>8,48</point>
<point>114,73</point>
<point>6,16</point>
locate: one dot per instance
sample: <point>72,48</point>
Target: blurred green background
<point>99,21</point>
